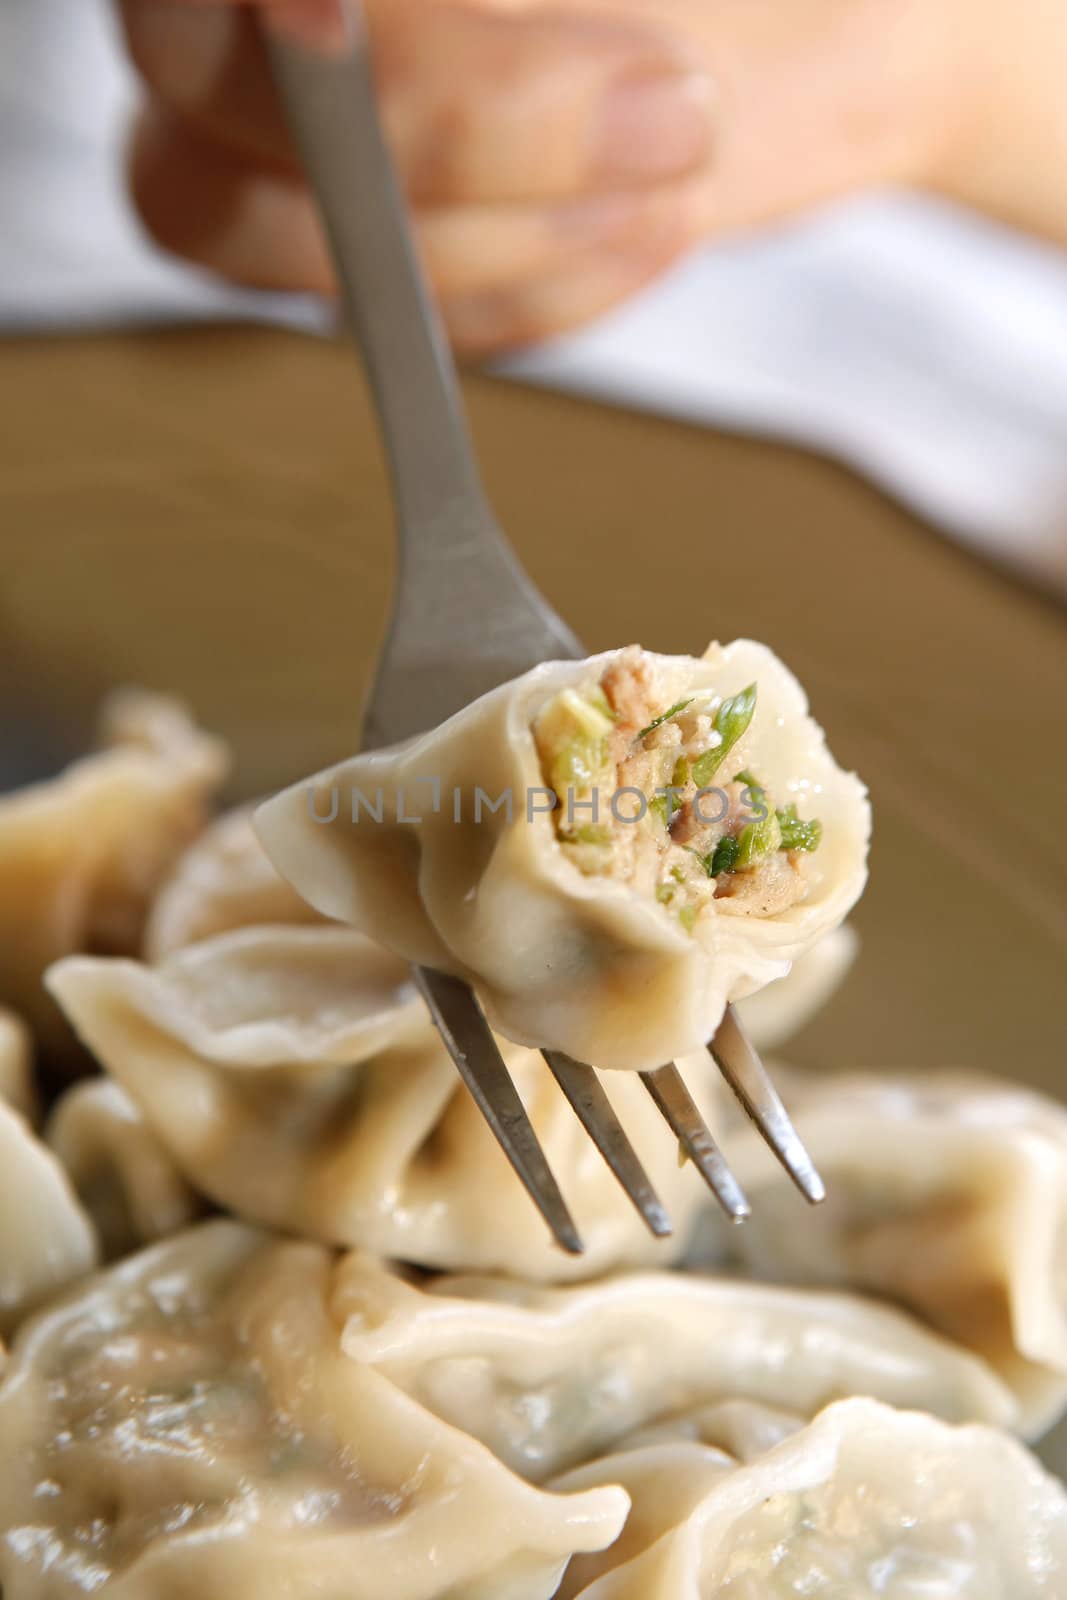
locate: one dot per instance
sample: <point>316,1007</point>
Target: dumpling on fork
<point>610,851</point>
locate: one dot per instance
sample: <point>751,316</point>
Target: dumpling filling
<point>660,794</point>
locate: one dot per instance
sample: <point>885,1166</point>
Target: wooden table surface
<point>205,511</point>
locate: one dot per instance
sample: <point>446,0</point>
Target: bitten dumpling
<point>864,1502</point>
<point>609,850</point>
<point>82,854</point>
<point>946,1193</point>
<point>225,881</point>
<point>186,1424</point>
<point>296,1078</point>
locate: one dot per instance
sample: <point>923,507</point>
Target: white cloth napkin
<point>924,347</point>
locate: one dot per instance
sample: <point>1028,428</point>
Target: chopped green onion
<point>667,805</point>
<point>589,833</point>
<point>757,840</point>
<point>578,765</point>
<point>705,861</point>
<point>677,874</point>
<point>680,775</point>
<point>797,834</point>
<point>721,859</point>
<point>757,795</point>
<point>731,720</point>
<point>724,857</point>
<point>687,916</point>
<point>572,741</point>
<point>665,716</point>
<point>664,893</point>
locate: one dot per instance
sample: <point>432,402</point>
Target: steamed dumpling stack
<point>375,1379</point>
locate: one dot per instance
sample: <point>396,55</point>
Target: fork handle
<point>329,100</point>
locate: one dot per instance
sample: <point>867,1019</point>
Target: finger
<point>525,314</point>
<point>256,224</point>
<point>480,105</point>
<point>816,98</point>
<point>469,252</point>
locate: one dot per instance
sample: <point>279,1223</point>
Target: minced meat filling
<point>690,823</point>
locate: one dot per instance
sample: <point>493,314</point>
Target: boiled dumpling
<point>864,1502</point>
<point>223,881</point>
<point>186,1424</point>
<point>296,1078</point>
<point>17,1084</point>
<point>608,850</point>
<point>947,1193</point>
<point>82,854</point>
<point>122,1172</point>
<point>46,1239</point>
<point>548,1377</point>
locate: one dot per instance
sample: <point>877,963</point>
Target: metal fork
<point>466,618</point>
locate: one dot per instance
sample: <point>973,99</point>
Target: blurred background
<point>923,343</point>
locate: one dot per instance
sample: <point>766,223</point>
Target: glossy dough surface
<point>552,1376</point>
<point>862,1503</point>
<point>187,1424</point>
<point>946,1193</point>
<point>295,1077</point>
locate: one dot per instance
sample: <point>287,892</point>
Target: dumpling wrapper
<point>221,882</point>
<point>584,964</point>
<point>46,1239</point>
<point>774,1014</point>
<point>82,854</point>
<point>123,1174</point>
<point>295,1077</point>
<point>17,1085</point>
<point>549,1377</point>
<point>864,1502</point>
<point>225,881</point>
<point>187,1424</point>
<point>946,1193</point>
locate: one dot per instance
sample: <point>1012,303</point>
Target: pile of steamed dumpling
<point>278,1320</point>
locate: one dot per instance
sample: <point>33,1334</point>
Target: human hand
<point>559,155</point>
<point>552,159</point>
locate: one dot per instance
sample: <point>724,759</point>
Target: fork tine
<point>472,1047</point>
<point>748,1078</point>
<point>597,1115</point>
<point>679,1109</point>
